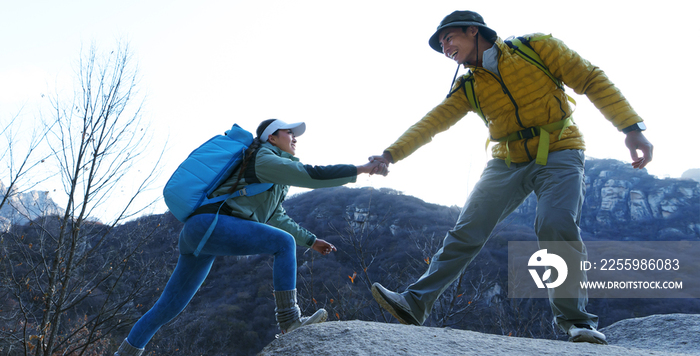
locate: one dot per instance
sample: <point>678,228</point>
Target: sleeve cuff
<point>311,241</point>
<point>635,127</point>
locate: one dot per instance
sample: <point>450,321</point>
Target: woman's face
<point>284,140</point>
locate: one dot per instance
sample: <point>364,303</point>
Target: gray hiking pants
<point>560,191</point>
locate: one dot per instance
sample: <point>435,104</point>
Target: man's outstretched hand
<point>635,141</point>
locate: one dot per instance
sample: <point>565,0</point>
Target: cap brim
<point>434,41</point>
<point>297,128</point>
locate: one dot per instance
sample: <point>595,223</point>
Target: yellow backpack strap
<point>471,97</point>
<point>543,146</point>
<point>541,131</point>
<point>474,102</point>
<point>521,46</point>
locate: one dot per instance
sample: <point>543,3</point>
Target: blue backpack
<point>204,170</point>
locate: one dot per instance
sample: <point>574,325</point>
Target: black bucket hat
<point>460,19</point>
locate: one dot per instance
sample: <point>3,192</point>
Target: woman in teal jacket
<point>249,226</point>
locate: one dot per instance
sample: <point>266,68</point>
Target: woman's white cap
<point>297,128</point>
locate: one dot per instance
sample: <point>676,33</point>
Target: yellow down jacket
<point>523,97</point>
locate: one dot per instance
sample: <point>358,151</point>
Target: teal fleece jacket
<point>272,165</point>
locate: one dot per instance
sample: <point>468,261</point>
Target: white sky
<point>358,73</point>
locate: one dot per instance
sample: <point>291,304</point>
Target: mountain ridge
<point>385,236</point>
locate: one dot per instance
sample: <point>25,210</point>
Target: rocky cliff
<point>693,174</point>
<point>618,197</point>
<point>20,208</point>
<point>628,200</point>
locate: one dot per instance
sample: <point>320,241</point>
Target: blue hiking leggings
<point>231,237</point>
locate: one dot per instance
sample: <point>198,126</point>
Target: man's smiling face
<point>458,44</point>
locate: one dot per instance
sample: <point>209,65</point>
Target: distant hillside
<point>20,208</point>
<point>385,236</point>
<point>623,203</point>
<point>693,174</point>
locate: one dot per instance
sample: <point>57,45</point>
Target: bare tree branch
<point>68,280</point>
<point>20,161</point>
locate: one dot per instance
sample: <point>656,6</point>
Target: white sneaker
<point>586,333</point>
<point>318,317</point>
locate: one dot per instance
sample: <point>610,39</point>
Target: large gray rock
<point>663,335</point>
<point>671,332</point>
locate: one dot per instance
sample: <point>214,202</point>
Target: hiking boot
<point>318,317</point>
<point>586,333</point>
<point>395,304</point>
<point>288,314</point>
<point>125,349</point>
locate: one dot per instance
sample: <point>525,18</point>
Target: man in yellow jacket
<point>521,105</point>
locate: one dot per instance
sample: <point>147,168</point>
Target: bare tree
<point>461,298</point>
<point>20,157</point>
<point>352,299</point>
<point>69,281</point>
<point>359,234</point>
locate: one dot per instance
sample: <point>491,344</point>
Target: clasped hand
<point>374,167</point>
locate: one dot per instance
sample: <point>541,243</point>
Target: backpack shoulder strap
<point>521,46</point>
<point>249,190</point>
<point>471,96</point>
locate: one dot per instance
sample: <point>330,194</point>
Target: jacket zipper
<point>507,92</point>
<point>515,106</point>
<point>563,112</point>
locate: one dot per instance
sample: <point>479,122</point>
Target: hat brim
<point>297,128</point>
<point>434,41</point>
